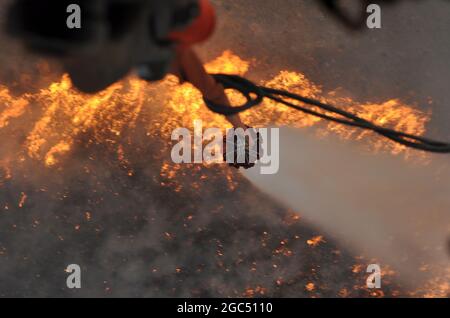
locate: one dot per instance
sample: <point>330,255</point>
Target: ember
<point>59,124</point>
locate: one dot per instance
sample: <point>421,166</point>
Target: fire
<point>255,292</point>
<point>12,108</point>
<point>23,198</point>
<point>315,241</point>
<point>310,287</point>
<point>57,119</point>
<point>66,114</point>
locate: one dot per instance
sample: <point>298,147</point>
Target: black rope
<point>255,95</point>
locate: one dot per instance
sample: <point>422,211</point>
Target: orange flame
<point>67,113</point>
<point>58,116</point>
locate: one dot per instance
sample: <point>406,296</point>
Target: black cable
<point>255,95</point>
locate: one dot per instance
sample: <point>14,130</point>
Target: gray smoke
<point>379,204</point>
<point>223,242</point>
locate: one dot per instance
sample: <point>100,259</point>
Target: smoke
<point>132,236</point>
<point>146,233</point>
<point>384,206</point>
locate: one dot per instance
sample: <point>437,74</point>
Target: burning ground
<point>89,180</point>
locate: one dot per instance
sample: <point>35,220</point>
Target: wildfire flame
<point>58,116</point>
<point>66,113</point>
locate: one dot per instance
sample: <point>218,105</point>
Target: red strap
<point>200,29</point>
